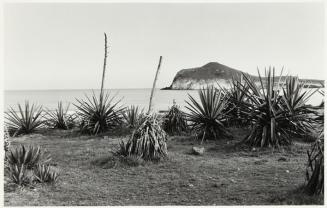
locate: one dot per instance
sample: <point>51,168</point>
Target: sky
<point>61,45</point>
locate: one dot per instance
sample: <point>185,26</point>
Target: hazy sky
<point>60,46</point>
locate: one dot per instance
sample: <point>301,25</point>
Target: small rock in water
<point>198,150</point>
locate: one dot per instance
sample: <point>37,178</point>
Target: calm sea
<point>162,98</point>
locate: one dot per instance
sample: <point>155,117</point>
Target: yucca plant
<point>274,117</point>
<point>28,156</point>
<point>26,120</point>
<point>174,122</point>
<point>18,174</point>
<point>148,141</point>
<point>315,169</point>
<point>206,117</point>
<point>99,114</point>
<point>133,116</point>
<point>59,118</point>
<point>44,174</point>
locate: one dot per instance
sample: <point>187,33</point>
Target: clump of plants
<point>148,141</point>
<point>60,119</point>
<point>174,122</point>
<point>133,116</point>
<point>99,114</point>
<point>207,117</point>
<point>26,120</point>
<point>275,113</point>
<point>27,165</point>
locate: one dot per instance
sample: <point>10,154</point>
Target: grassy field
<point>227,174</point>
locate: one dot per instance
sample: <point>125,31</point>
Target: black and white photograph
<point>163,103</point>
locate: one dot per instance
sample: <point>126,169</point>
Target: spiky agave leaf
<point>26,120</point>
<point>132,116</point>
<point>99,114</point>
<point>28,156</point>
<point>206,117</point>
<point>59,118</point>
<point>148,141</point>
<point>174,122</point>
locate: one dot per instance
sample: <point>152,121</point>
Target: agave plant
<point>275,117</point>
<point>18,174</point>
<point>299,122</point>
<point>28,156</point>
<point>44,174</point>
<point>207,117</point>
<point>174,122</point>
<point>132,116</point>
<point>233,95</point>
<point>99,114</point>
<point>59,118</point>
<point>148,141</point>
<point>315,169</point>
<point>26,120</point>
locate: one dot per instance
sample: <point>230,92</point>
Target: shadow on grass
<point>113,161</point>
<point>297,197</point>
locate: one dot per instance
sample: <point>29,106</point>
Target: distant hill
<point>213,73</point>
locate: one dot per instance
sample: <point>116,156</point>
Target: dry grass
<point>224,175</point>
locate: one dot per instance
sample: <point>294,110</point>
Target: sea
<point>162,100</point>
